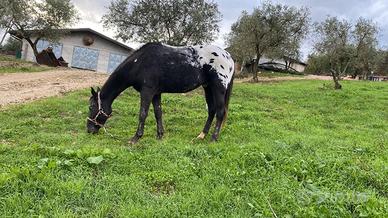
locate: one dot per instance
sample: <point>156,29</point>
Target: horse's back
<point>211,59</point>
<point>170,69</point>
<point>181,69</point>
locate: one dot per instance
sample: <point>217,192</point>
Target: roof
<point>88,30</point>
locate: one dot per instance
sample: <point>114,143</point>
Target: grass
<point>294,149</point>
<point>13,65</point>
<point>7,58</point>
<point>271,74</point>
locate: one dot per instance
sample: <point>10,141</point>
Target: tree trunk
<point>337,85</point>
<point>255,66</point>
<point>33,45</point>
<point>335,75</point>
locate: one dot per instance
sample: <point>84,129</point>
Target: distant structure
<point>277,65</point>
<point>377,78</point>
<point>83,48</point>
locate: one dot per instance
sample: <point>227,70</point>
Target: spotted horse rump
<point>220,61</point>
<point>156,68</point>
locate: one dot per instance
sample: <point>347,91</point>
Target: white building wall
<point>297,66</point>
<point>27,53</point>
<point>104,47</point>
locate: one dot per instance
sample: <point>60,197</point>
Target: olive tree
<point>12,44</point>
<point>345,49</point>
<point>334,42</point>
<point>175,22</point>
<point>33,20</point>
<point>270,29</point>
<point>382,62</point>
<point>365,40</point>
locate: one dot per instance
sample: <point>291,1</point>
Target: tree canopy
<point>30,19</point>
<point>272,29</point>
<point>175,22</point>
<point>382,62</point>
<point>12,44</point>
<point>342,48</point>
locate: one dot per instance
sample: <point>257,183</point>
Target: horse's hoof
<point>159,137</point>
<point>201,136</point>
<point>132,141</point>
<point>214,138</point>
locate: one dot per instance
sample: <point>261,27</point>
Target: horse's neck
<point>113,87</point>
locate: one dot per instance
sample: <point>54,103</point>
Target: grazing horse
<point>156,68</point>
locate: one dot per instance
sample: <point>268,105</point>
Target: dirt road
<point>24,87</point>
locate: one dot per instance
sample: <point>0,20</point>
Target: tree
<point>334,42</point>
<point>12,44</point>
<point>344,49</point>
<point>33,20</point>
<point>382,62</point>
<point>270,29</point>
<point>317,64</point>
<point>365,39</point>
<point>174,22</point>
<point>289,53</point>
<point>241,52</point>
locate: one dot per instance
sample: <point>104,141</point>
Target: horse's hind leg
<point>211,112</point>
<point>156,102</point>
<point>219,99</point>
<point>146,97</point>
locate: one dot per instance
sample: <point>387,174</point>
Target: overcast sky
<point>377,10</point>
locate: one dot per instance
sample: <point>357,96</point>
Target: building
<point>376,78</point>
<point>83,48</point>
<point>277,65</point>
<point>281,64</point>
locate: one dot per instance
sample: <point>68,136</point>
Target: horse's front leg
<point>156,102</point>
<point>145,101</point>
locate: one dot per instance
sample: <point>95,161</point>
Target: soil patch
<point>24,87</point>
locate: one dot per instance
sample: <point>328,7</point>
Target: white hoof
<point>201,136</point>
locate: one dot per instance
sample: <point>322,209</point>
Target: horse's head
<point>98,114</point>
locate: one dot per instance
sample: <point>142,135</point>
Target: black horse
<point>156,68</point>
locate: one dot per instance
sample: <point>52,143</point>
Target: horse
<point>156,68</point>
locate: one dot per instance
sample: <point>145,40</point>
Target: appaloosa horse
<point>156,68</point>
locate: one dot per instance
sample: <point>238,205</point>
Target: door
<point>85,58</point>
<point>114,61</point>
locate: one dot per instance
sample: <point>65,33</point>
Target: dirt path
<point>24,87</point>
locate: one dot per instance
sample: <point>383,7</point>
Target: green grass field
<point>9,64</point>
<point>294,149</point>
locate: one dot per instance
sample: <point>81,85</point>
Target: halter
<point>100,111</point>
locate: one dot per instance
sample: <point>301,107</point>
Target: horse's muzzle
<point>93,131</point>
<point>92,128</point>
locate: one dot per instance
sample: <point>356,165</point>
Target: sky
<point>91,12</point>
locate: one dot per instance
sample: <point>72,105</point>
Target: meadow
<point>9,64</point>
<point>289,149</point>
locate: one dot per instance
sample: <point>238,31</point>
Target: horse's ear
<point>98,89</point>
<point>94,93</point>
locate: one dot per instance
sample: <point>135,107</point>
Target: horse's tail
<point>227,99</point>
